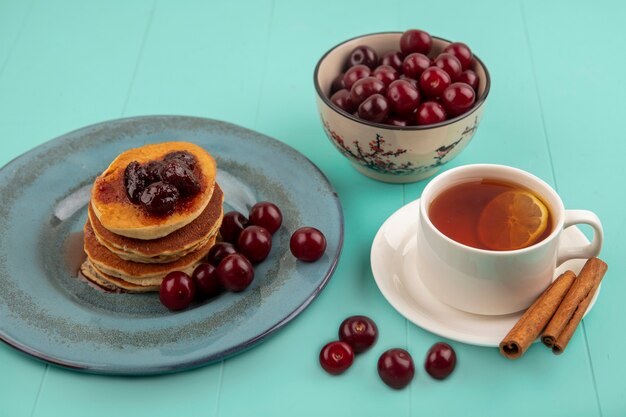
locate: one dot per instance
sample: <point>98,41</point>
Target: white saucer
<point>394,265</point>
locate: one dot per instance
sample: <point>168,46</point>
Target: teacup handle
<point>573,217</point>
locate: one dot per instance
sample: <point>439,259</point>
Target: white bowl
<point>390,153</point>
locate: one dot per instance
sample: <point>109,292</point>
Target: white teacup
<point>495,282</point>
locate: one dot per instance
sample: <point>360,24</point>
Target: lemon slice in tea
<point>512,220</point>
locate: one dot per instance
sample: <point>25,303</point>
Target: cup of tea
<point>488,238</point>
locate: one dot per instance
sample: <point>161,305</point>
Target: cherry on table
<point>375,108</point>
<point>219,251</point>
<point>450,64</point>
<point>402,97</point>
<point>364,88</point>
<point>430,112</point>
<point>336,357</point>
<point>355,73</point>
<point>206,281</point>
<point>434,81</point>
<point>440,360</point>
<point>469,77</point>
<point>462,52</point>
<point>360,332</point>
<point>362,55</point>
<point>255,243</point>
<point>177,290</point>
<point>159,198</point>
<point>267,215</point>
<point>396,368</point>
<point>342,100</point>
<point>393,59</point>
<point>307,244</point>
<point>233,223</point>
<point>415,40</point>
<point>458,98</point>
<point>235,272</point>
<point>415,64</point>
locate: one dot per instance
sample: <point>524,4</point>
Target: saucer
<point>394,265</point>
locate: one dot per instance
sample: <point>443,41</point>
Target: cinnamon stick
<point>534,320</point>
<point>580,292</point>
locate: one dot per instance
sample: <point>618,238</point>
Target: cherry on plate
<point>355,73</point>
<point>182,156</point>
<point>206,281</point>
<point>415,40</point>
<point>450,64</point>
<point>375,108</point>
<point>430,112</point>
<point>177,172</point>
<point>342,100</point>
<point>267,215</point>
<point>159,198</point>
<point>307,244</point>
<point>235,272</point>
<point>336,357</point>
<point>233,223</point>
<point>360,332</point>
<point>255,243</point>
<point>402,97</point>
<point>469,77</point>
<point>393,59</point>
<point>364,88</point>
<point>440,360</point>
<point>458,98</point>
<point>462,52</point>
<point>362,55</point>
<point>176,291</point>
<point>219,251</point>
<point>396,368</point>
<point>434,81</point>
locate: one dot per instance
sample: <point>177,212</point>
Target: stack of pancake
<point>130,250</point>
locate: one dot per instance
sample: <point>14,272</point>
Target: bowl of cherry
<point>399,105</point>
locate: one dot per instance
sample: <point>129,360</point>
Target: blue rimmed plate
<point>48,312</point>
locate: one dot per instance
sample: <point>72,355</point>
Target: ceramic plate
<point>47,312</point>
<point>394,265</point>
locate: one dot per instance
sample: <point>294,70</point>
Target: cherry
<point>396,368</point>
<point>182,156</point>
<point>469,77</point>
<point>458,98</point>
<point>307,244</point>
<point>342,100</point>
<point>393,59</point>
<point>362,55</point>
<point>177,172</point>
<point>336,357</point>
<point>233,223</point>
<point>375,108</point>
<point>440,360</point>
<point>413,81</point>
<point>255,243</point>
<point>219,251</point>
<point>414,65</point>
<point>267,215</point>
<point>450,64</point>
<point>176,290</point>
<point>434,81</point>
<point>386,73</point>
<point>461,51</point>
<point>355,73</point>
<point>337,84</point>
<point>134,181</point>
<point>360,332</point>
<point>414,40</point>
<point>430,112</point>
<point>235,272</point>
<point>159,198</point>
<point>395,120</point>
<point>206,282</point>
<point>364,88</point>
<point>403,98</point>
<point>152,171</point>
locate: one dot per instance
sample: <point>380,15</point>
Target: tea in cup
<point>488,239</point>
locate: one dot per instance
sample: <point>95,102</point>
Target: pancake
<point>119,215</point>
<point>138,273</point>
<point>168,248</point>
<point>111,283</point>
